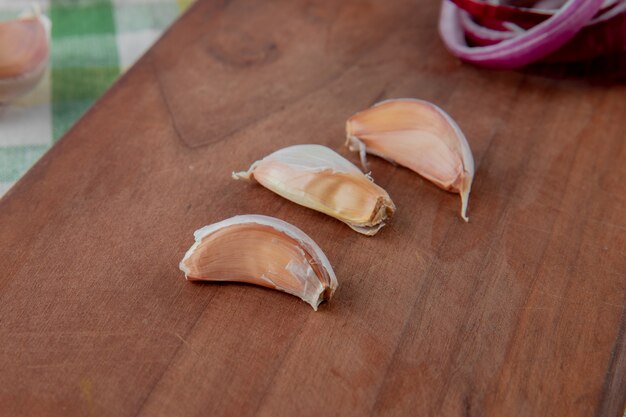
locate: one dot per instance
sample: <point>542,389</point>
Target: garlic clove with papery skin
<point>418,135</point>
<point>264,251</point>
<point>317,177</point>
<point>24,54</point>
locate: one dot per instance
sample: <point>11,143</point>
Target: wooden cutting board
<point>518,313</point>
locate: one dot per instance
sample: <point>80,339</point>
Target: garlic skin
<point>261,250</point>
<point>420,136</point>
<point>317,177</point>
<point>24,54</point>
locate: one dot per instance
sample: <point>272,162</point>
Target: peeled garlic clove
<point>420,136</point>
<point>264,251</point>
<point>24,52</point>
<point>317,177</point>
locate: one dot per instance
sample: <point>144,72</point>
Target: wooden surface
<point>518,313</point>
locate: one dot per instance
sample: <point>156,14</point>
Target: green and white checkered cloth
<point>93,42</point>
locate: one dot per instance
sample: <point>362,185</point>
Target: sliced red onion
<point>480,35</point>
<point>604,34</point>
<point>521,49</point>
<point>520,15</point>
<point>549,4</point>
<point>491,15</point>
<point>608,12</point>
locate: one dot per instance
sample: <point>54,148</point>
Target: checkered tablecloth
<point>93,42</point>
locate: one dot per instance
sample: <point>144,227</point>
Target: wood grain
<point>521,312</point>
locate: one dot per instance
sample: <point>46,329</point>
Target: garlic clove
<point>261,250</point>
<point>420,136</point>
<point>24,54</point>
<point>317,177</point>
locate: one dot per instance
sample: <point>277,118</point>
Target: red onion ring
<point>492,15</point>
<point>615,7</point>
<point>481,35</point>
<point>521,49</point>
<point>604,34</point>
<point>519,15</point>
